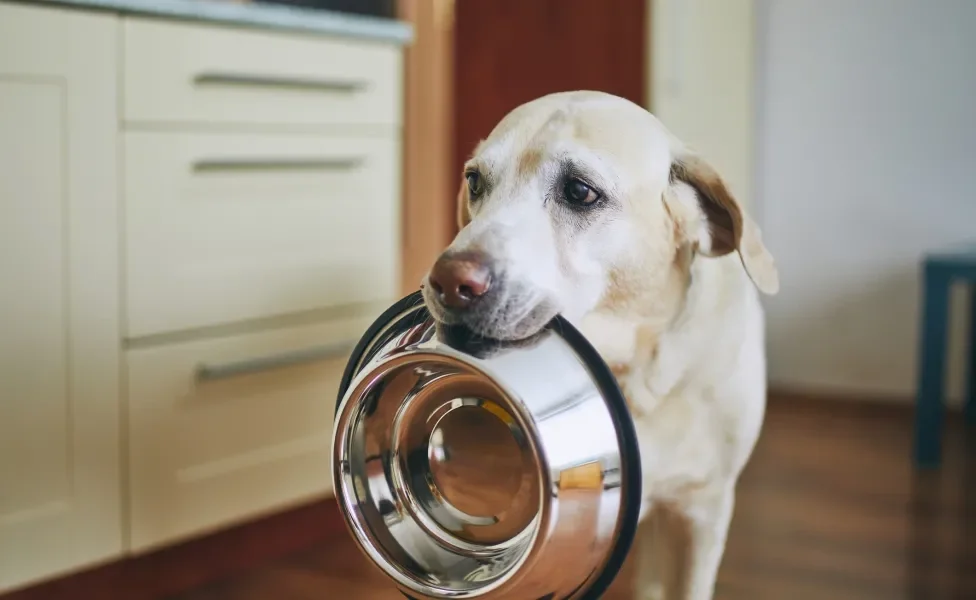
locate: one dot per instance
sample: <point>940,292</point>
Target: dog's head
<point>580,200</point>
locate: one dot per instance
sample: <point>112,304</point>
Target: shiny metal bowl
<point>472,469</point>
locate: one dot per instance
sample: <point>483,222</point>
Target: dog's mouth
<point>507,320</point>
<point>462,338</point>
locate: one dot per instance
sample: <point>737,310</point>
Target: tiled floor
<point>829,509</point>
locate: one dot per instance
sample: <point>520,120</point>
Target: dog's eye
<point>579,193</point>
<point>475,184</point>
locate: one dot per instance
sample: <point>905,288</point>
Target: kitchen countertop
<point>269,16</point>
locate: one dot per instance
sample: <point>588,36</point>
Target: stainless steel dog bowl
<point>469,469</point>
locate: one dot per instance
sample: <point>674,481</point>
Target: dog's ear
<point>729,228</point>
<point>463,214</point>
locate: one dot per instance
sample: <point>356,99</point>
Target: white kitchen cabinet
<point>191,241</point>
<point>59,289</point>
<point>283,245</point>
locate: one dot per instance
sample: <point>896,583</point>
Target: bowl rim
<point>616,405</point>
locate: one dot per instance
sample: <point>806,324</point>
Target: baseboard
<point>859,393</point>
<point>194,563</point>
<point>795,393</point>
<point>851,401</point>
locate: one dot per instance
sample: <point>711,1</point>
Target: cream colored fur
<point>662,278</point>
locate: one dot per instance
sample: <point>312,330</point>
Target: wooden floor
<point>829,508</point>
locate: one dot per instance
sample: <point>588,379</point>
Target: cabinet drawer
<point>177,72</point>
<point>221,430</point>
<point>226,228</point>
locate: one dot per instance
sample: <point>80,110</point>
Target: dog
<point>583,204</point>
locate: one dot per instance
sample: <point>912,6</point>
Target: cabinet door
<point>225,429</point>
<point>59,314</point>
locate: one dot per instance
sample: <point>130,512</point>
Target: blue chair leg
<point>971,360</point>
<point>930,406</point>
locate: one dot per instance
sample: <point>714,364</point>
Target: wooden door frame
<point>428,134</point>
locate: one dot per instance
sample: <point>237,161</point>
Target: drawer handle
<point>217,165</point>
<point>275,361</point>
<point>347,86</point>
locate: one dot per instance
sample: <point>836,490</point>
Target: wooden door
<point>510,51</point>
<point>60,503</point>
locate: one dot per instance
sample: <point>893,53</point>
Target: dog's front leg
<point>681,548</point>
<point>660,555</point>
<point>708,528</point>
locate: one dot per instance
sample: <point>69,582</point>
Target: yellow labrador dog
<point>582,203</point>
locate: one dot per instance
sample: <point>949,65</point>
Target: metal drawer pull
<point>275,361</point>
<point>300,83</point>
<point>217,165</point>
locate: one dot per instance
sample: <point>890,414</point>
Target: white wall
<point>866,158</point>
<point>701,81</point>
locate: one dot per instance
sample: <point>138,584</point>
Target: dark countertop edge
<point>259,15</point>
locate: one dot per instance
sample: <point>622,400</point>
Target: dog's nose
<point>460,279</point>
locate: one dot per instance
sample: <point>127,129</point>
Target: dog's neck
<point>653,353</point>
<point>636,311</point>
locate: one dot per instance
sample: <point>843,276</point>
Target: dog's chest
<point>696,410</point>
<point>684,447</point>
